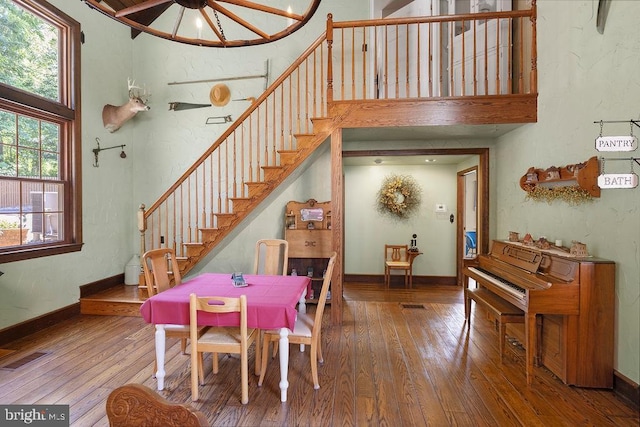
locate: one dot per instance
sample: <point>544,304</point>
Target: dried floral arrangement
<point>399,196</point>
<point>574,194</point>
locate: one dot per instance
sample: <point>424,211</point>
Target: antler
<point>134,91</point>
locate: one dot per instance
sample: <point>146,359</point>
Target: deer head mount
<point>113,117</point>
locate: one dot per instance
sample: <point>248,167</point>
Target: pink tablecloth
<point>271,301</point>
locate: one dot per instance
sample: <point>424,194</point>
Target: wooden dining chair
<point>161,272</point>
<point>272,257</point>
<point>236,340</point>
<point>307,330</point>
<point>396,257</point>
<point>136,405</point>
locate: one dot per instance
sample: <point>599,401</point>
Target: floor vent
<point>21,362</point>
<point>405,305</point>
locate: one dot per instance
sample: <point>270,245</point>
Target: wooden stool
<point>504,311</point>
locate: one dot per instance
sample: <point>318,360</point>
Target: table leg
<point>284,363</point>
<point>160,346</point>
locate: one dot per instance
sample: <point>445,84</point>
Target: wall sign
<point>616,143</point>
<point>618,180</point>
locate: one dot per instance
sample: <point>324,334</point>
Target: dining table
<point>271,304</point>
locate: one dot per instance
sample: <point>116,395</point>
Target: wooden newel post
<point>329,59</point>
<point>141,227</point>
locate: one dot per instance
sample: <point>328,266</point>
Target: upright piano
<point>568,304</point>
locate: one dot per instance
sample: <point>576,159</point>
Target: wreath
<point>399,196</point>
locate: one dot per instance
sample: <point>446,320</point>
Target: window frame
<point>67,112</point>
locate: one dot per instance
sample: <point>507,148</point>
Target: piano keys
<point>568,304</point>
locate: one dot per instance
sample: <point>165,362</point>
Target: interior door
<point>467,230</point>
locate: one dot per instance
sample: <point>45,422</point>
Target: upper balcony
<point>468,69</point>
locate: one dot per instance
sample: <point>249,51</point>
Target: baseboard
<point>36,324</point>
<point>399,279</point>
<point>626,390</point>
<point>101,285</point>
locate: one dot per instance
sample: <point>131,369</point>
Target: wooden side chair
<point>135,405</point>
<point>396,257</point>
<point>272,257</point>
<point>236,340</point>
<point>161,272</point>
<point>307,330</point>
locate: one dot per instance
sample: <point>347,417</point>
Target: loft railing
<point>437,56</point>
<point>424,57</point>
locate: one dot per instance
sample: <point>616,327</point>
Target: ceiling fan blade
<point>140,7</point>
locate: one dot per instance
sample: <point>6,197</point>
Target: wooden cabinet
<point>308,231</point>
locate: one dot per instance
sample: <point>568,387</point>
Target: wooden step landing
<point>121,300</point>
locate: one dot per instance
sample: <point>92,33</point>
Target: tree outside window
<point>39,131</point>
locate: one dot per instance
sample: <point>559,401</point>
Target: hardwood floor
<point>401,358</point>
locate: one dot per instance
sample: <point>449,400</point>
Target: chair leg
<point>258,340</point>
<point>265,355</point>
<point>314,365</point>
<point>319,345</point>
<point>244,374</point>
<point>201,367</point>
<point>214,358</point>
<point>194,375</point>
<point>183,345</point>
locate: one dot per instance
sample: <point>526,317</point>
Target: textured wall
<point>586,77</point>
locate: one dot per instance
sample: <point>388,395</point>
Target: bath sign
<point>616,143</point>
<point>618,180</point>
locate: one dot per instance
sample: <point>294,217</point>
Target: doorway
<point>471,160</point>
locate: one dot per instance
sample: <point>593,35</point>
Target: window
<point>40,185</point>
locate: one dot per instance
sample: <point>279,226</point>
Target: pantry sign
<point>616,143</point>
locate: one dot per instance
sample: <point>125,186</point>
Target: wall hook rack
<point>634,122</point>
<point>632,159</point>
<point>97,151</point>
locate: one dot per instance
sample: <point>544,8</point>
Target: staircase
<point>353,64</point>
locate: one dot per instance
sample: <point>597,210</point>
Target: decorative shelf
<point>584,176</point>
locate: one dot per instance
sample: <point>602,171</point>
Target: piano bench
<point>504,311</point>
